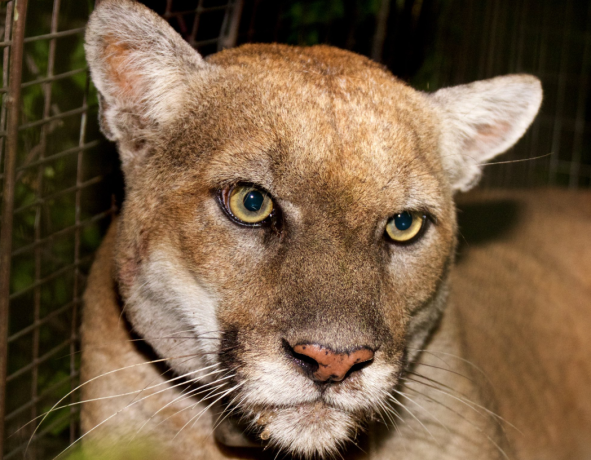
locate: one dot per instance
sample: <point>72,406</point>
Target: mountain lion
<point>281,281</point>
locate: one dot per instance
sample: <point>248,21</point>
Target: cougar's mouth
<point>316,426</point>
<point>288,406</point>
<point>307,429</point>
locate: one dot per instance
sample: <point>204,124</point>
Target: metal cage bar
<point>54,159</point>
<point>58,175</point>
<point>12,104</point>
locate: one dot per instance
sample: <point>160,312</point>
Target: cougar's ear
<point>142,69</point>
<point>481,120</point>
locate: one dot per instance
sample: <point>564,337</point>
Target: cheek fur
<point>165,302</point>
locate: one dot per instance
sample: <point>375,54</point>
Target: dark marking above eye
<point>253,200</point>
<point>403,221</point>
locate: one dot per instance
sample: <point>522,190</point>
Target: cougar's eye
<point>406,226</point>
<point>248,204</point>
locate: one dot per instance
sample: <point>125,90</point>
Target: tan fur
<point>521,297</point>
<point>180,291</point>
<point>529,334</point>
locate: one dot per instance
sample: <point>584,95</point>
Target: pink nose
<point>331,365</point>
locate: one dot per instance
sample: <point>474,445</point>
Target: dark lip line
<point>263,408</point>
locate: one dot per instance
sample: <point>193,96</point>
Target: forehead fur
<point>317,62</point>
<point>341,89</point>
<point>286,117</point>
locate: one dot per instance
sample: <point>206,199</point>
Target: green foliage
<point>306,17</point>
<point>310,22</point>
<point>46,203</point>
<point>139,450</point>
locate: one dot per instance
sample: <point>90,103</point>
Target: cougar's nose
<point>323,364</point>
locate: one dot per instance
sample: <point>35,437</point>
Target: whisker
<point>454,411</point>
<point>218,421</point>
<point>198,391</point>
<point>102,398</point>
<point>459,358</point>
<point>186,395</point>
<point>91,380</point>
<point>185,375</point>
<point>444,369</point>
<point>113,415</point>
<point>429,352</point>
<point>421,407</point>
<point>435,382</point>
<point>390,410</point>
<point>412,415</point>
<point>492,441</point>
<point>174,335</point>
<point>516,161</point>
<point>462,398</point>
<point>145,338</point>
<point>183,395</point>
<point>190,395</point>
<point>196,417</point>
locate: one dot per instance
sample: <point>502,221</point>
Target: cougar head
<point>288,215</point>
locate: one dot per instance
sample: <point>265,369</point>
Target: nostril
<point>308,364</point>
<point>359,366</point>
<point>323,364</point>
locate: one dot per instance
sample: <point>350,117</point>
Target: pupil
<point>403,221</point>
<point>253,201</point>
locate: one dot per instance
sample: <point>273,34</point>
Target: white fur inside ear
<point>481,120</point>
<point>143,70</point>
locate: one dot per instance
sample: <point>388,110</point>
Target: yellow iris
<point>249,204</point>
<point>405,226</point>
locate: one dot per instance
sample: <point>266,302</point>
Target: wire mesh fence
<point>46,145</point>
<point>60,181</point>
<point>550,39</point>
<point>58,188</point>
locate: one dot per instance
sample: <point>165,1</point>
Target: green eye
<point>248,204</point>
<point>403,227</point>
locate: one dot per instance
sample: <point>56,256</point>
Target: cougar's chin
<point>307,430</point>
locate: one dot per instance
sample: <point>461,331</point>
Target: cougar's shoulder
<point>522,287</point>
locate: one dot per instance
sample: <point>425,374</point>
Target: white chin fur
<point>310,430</point>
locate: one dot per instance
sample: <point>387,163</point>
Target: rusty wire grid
<point>58,183</point>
